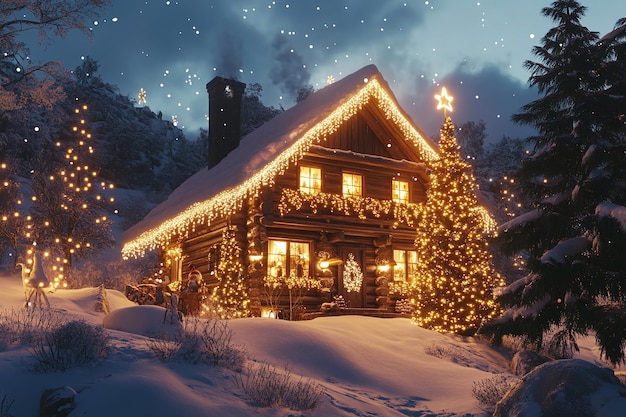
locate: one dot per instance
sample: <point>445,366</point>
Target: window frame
<point>395,191</point>
<point>309,188</point>
<point>289,264</point>
<point>405,264</point>
<point>352,175</point>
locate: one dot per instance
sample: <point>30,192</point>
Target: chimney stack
<point>225,98</point>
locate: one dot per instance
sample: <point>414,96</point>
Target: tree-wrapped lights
<point>456,277</point>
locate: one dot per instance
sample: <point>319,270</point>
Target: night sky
<point>171,49</point>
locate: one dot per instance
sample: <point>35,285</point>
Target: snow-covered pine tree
<point>230,298</point>
<point>253,112</point>
<point>575,233</point>
<point>453,291</point>
<point>502,160</point>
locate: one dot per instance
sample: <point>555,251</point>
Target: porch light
<point>327,261</point>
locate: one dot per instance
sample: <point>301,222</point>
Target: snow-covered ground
<point>365,366</point>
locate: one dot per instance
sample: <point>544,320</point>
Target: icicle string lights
<point>229,201</point>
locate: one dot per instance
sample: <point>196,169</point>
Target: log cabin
<point>329,191</point>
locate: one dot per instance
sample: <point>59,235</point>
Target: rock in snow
<point>57,402</point>
<point>565,388</point>
<point>525,361</point>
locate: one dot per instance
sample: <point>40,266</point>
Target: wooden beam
<point>382,241</point>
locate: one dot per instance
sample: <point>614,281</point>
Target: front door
<point>351,279</point>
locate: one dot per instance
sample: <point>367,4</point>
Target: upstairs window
<point>288,259</point>
<point>406,265</point>
<point>352,185</point>
<point>400,191</point>
<point>310,180</point>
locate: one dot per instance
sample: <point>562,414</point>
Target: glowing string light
<point>229,201</point>
<point>444,101</point>
<point>142,96</point>
<point>352,275</point>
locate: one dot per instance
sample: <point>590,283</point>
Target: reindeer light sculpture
<point>35,282</point>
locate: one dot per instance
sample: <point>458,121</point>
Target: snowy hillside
<point>364,366</point>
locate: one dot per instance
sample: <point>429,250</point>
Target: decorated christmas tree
<point>352,275</point>
<point>68,215</point>
<point>453,289</point>
<point>230,298</point>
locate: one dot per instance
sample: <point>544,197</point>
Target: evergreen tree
<point>471,139</point>
<point>502,161</point>
<point>230,297</point>
<point>456,277</point>
<point>253,112</point>
<point>575,178</point>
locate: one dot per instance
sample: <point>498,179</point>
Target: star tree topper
<point>444,101</point>
<point>141,97</point>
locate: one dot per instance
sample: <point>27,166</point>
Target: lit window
<point>400,191</point>
<point>286,258</point>
<point>352,184</point>
<point>310,180</point>
<point>406,265</point>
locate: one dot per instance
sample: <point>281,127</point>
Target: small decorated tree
<point>352,275</point>
<point>456,277</point>
<point>230,298</point>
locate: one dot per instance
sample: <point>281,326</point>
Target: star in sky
<point>141,97</point>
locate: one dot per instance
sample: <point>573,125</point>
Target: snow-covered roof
<point>266,153</point>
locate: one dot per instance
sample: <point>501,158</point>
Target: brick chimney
<point>224,117</point>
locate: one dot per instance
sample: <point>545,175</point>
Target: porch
<point>369,312</point>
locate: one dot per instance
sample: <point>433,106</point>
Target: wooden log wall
<point>356,148</point>
<point>376,179</point>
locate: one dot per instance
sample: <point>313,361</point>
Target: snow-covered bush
<point>115,276</point>
<point>201,341</point>
<point>266,386</point>
<point>217,346</point>
<point>490,390</point>
<point>73,344</point>
<point>451,352</point>
<point>164,349</point>
<point>25,325</point>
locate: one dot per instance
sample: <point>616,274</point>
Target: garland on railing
<point>402,288</point>
<point>361,207</point>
